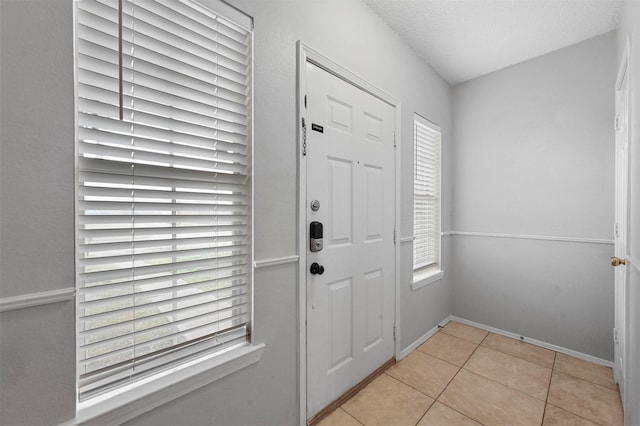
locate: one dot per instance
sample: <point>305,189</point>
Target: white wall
<point>37,344</point>
<point>533,155</point>
<point>630,28</point>
<point>37,373</point>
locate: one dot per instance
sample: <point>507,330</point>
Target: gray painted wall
<point>37,371</point>
<point>37,345</point>
<point>533,155</point>
<point>630,27</point>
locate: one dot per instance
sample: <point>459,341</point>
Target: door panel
<point>620,228</point>
<point>340,316</point>
<point>350,171</point>
<point>340,200</point>
<point>374,203</point>
<point>373,126</point>
<point>375,308</point>
<point>340,114</point>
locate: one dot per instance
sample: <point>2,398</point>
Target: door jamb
<point>307,54</point>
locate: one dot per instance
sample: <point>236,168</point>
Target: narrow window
<point>426,197</point>
<point>163,143</point>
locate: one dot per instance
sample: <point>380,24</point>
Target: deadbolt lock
<point>315,236</point>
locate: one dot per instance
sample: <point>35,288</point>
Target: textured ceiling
<point>464,39</point>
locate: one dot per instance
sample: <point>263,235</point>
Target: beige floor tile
<point>585,399</point>
<point>423,372</point>
<point>558,416</point>
<point>520,349</point>
<point>441,415</point>
<point>586,370</point>
<point>386,401</point>
<point>489,402</point>
<point>339,418</point>
<point>518,374</point>
<point>464,331</point>
<point>449,348</point>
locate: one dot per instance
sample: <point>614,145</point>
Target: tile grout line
<point>494,349</point>
<point>415,389</point>
<point>516,357</point>
<point>588,381</point>
<point>505,385</point>
<point>496,382</point>
<point>577,378</point>
<point>520,357</point>
<point>440,359</point>
<point>454,376</point>
<point>502,384</point>
<point>555,354</point>
<point>349,414</point>
<point>578,415</point>
<point>546,400</point>
<point>410,386</point>
<point>582,380</point>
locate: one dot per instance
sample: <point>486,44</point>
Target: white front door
<point>350,191</point>
<point>620,228</point>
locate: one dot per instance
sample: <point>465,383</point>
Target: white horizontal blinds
<point>163,184</point>
<point>426,195</point>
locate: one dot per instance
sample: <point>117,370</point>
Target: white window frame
<point>125,402</point>
<point>427,136</point>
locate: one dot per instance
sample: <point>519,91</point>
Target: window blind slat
<point>158,33</point>
<point>178,305</point>
<point>161,160</point>
<point>211,275</point>
<point>123,127</point>
<point>96,176</point>
<point>107,100</point>
<point>120,373</point>
<point>195,24</point>
<point>130,351</point>
<point>153,80</point>
<point>176,283</point>
<point>165,193</point>
<point>147,332</point>
<point>163,185</point>
<point>97,221</point>
<point>197,14</point>
<point>143,269</point>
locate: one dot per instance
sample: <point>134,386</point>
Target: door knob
<point>616,261</point>
<point>316,269</point>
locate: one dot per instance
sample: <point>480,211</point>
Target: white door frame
<point>307,54</point>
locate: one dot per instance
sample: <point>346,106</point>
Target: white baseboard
<point>540,343</point>
<point>406,351</point>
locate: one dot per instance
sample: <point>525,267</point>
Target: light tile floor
<point>467,376</point>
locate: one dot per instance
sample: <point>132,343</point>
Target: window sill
<point>128,402</point>
<point>423,279</point>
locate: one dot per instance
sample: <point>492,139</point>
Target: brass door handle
<point>616,261</point>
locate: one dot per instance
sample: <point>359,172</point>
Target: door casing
<point>307,54</point>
